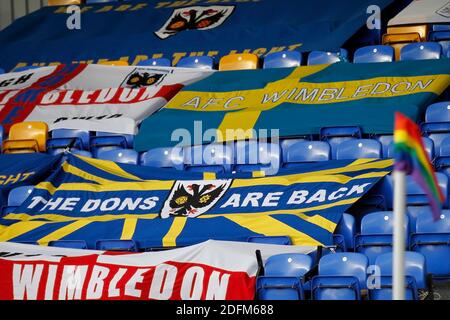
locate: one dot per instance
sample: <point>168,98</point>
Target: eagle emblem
<point>139,79</point>
<point>193,198</point>
<point>194,18</point>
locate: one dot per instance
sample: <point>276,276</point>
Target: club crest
<point>445,10</point>
<point>140,78</point>
<point>193,198</point>
<point>194,18</point>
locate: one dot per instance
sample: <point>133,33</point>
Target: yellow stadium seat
<point>25,137</point>
<point>114,63</point>
<point>241,61</point>
<point>63,2</point>
<point>399,40</point>
<point>422,30</point>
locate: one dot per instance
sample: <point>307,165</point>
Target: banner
<point>23,169</point>
<point>212,270</point>
<point>90,199</point>
<point>90,97</point>
<point>137,30</point>
<point>298,101</point>
<point>423,12</point>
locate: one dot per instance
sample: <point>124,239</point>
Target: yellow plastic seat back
<point>26,136</point>
<point>63,2</point>
<point>241,61</point>
<point>421,29</point>
<point>399,40</point>
<point>114,63</point>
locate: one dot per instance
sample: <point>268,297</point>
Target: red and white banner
<point>91,97</point>
<point>212,270</point>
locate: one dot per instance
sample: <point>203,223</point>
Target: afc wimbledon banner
<point>90,97</point>
<point>298,101</point>
<point>90,199</point>
<point>212,270</point>
<point>137,30</point>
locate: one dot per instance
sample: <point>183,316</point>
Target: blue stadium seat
<point>438,112</point>
<point>445,48</point>
<point>24,68</point>
<point>347,228</point>
<point>335,135</point>
<point>283,59</point>
<point>73,244</point>
<point>110,141</point>
<point>306,151</point>
<point>421,51</point>
<point>378,53</point>
<point>281,240</point>
<point>415,272</point>
<point>427,143</point>
<point>2,135</point>
<point>256,156</point>
<point>203,62</point>
<point>440,27</point>
<point>128,156</point>
<point>442,161</point>
<point>208,158</point>
<point>283,278</point>
<point>16,197</point>
<point>376,234</point>
<point>358,148</point>
<point>83,153</point>
<point>286,143</point>
<point>432,239</point>
<point>62,138</point>
<point>385,140</point>
<point>116,245</point>
<point>326,57</point>
<point>2,71</point>
<point>342,276</point>
<point>163,158</point>
<point>158,62</point>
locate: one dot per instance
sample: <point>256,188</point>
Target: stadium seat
<point>158,62</point>
<point>62,138</point>
<point>421,51</point>
<point>398,41</point>
<point>208,158</point>
<point>438,112</point>
<point>357,149</point>
<point>2,135</point>
<point>437,36</point>
<point>240,61</point>
<point>335,135</point>
<point>25,137</point>
<point>72,244</point>
<point>83,153</point>
<point>253,156</point>
<point>16,197</point>
<point>375,237</point>
<point>163,158</point>
<point>342,276</point>
<point>116,245</point>
<point>442,160</point>
<point>118,63</point>
<point>2,71</point>
<point>432,239</point>
<point>306,151</point>
<point>421,30</point>
<point>283,59</point>
<point>437,123</point>
<point>327,57</point>
<point>385,140</point>
<point>427,143</point>
<point>127,156</point>
<point>281,240</point>
<point>62,2</point>
<point>283,277</point>
<point>103,141</point>
<point>347,228</point>
<point>203,62</point>
<point>370,54</point>
<point>415,274</point>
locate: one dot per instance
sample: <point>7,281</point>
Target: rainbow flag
<point>410,156</point>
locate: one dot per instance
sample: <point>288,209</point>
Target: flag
<point>411,156</point>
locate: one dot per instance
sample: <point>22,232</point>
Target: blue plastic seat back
<point>421,51</point>
<point>445,48</point>
<point>426,224</point>
<point>73,244</point>
<point>385,141</point>
<point>286,143</point>
<point>81,135</point>
<point>377,53</point>
<point>279,288</point>
<point>158,62</point>
<point>358,148</point>
<point>281,240</point>
<point>83,153</point>
<point>384,292</point>
<point>438,112</point>
<point>381,222</point>
<point>129,138</point>
<point>203,62</point>
<point>336,135</point>
<point>288,265</point>
<point>327,57</point>
<point>116,245</point>
<point>436,131</point>
<point>18,195</point>
<point>283,59</point>
<point>444,148</point>
<point>427,143</point>
<point>440,27</point>
<point>163,158</point>
<point>218,157</point>
<point>307,151</point>
<point>416,195</point>
<point>128,156</point>
<point>255,156</point>
<point>415,266</point>
<point>347,228</point>
<point>2,135</point>
<point>345,264</point>
<point>439,35</point>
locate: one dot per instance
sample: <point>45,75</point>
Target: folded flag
<point>411,157</point>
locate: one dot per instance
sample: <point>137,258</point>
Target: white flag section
<point>219,270</point>
<point>91,97</point>
<point>423,11</point>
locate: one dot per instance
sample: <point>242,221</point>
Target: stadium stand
<point>67,138</point>
<point>25,137</point>
<point>201,62</point>
<point>358,148</point>
<point>305,151</point>
<point>239,62</point>
<point>283,59</point>
<point>326,57</point>
<point>420,51</point>
<point>398,41</point>
<point>376,53</point>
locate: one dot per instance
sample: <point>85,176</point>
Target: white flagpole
<point>398,265</point>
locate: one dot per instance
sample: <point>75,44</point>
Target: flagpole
<point>398,265</point>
